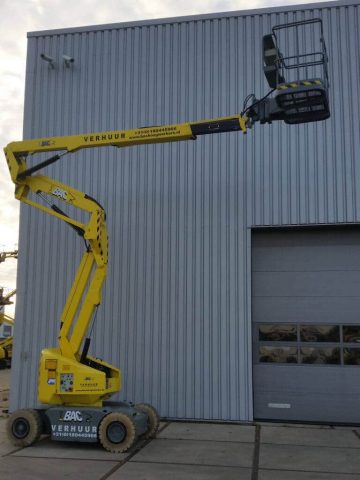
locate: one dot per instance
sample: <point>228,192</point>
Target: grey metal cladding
<point>176,307</point>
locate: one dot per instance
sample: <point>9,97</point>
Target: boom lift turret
<point>75,385</point>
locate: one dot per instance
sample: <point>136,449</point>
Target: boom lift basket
<point>305,97</point>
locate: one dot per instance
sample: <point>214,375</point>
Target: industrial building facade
<point>234,279</point>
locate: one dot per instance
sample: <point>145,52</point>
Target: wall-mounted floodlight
<point>48,59</point>
<point>68,61</point>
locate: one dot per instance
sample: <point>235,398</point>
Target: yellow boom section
<point>123,138</point>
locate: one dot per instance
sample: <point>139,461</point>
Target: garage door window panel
<point>324,356</point>
<point>277,333</point>
<point>352,356</point>
<point>269,354</point>
<point>319,333</point>
<point>351,333</point>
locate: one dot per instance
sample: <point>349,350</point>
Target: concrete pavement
<point>197,451</point>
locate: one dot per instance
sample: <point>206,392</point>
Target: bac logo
<point>46,143</point>
<point>59,192</point>
<point>72,415</point>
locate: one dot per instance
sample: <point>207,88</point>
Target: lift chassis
<point>76,386</point>
<point>116,425</point>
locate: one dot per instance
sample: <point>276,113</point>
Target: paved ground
<point>195,451</point>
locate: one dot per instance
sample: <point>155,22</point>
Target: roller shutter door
<point>306,324</point>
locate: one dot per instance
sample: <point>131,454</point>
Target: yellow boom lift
<point>74,385</point>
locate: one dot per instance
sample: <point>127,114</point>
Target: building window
<point>307,344</point>
<point>352,356</point>
<point>277,333</point>
<point>320,355</point>
<point>278,354</point>
<point>351,333</point>
<point>320,333</point>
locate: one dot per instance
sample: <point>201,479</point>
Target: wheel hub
<point>116,432</point>
<point>20,428</point>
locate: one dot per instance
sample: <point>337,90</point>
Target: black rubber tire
<point>24,427</point>
<point>130,432</point>
<point>153,419</point>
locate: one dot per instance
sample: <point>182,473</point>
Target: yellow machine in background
<point>75,384</point>
<point>5,255</point>
<point>6,344</point>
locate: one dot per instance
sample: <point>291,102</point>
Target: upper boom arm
<point>16,152</point>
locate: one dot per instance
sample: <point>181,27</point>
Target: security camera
<point>48,59</point>
<point>68,60</point>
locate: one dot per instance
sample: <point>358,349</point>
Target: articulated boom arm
<point>95,230</point>
<point>81,385</point>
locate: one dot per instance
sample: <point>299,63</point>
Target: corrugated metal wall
<point>176,306</point>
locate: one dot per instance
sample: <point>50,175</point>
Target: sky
<point>21,16</point>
